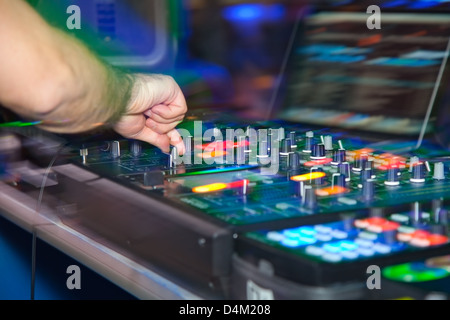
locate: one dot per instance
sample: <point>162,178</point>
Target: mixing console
<point>297,177</point>
<point>320,205</point>
<point>351,172</point>
<point>343,250</point>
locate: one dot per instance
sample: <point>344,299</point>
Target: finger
<point>169,111</point>
<point>160,128</point>
<point>159,119</point>
<point>176,141</point>
<point>162,141</point>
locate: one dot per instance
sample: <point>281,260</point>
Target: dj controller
<point>274,210</point>
<point>345,196</point>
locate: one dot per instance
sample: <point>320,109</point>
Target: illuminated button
<point>331,191</point>
<point>367,235</point>
<point>274,236</point>
<point>318,162</point>
<point>350,254</point>
<point>332,257</point>
<point>399,218</point>
<point>348,201</point>
<point>419,242</point>
<point>308,231</point>
<point>282,206</point>
<point>210,187</point>
<point>376,220</point>
<point>363,242</point>
<point>339,234</point>
<point>419,238</point>
<point>323,237</point>
<point>333,247</point>
<point>361,223</point>
<point>436,239</point>
<point>381,248</point>
<point>309,176</point>
<point>420,234</point>
<point>367,252</point>
<point>307,240</point>
<point>322,229</point>
<point>404,237</point>
<point>348,245</point>
<point>291,233</point>
<point>314,250</point>
<point>388,226</point>
<point>406,229</point>
<point>290,242</point>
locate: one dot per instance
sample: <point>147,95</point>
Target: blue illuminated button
<point>274,236</point>
<point>348,245</point>
<point>323,237</point>
<point>339,234</point>
<point>381,248</point>
<point>332,257</point>
<point>363,242</point>
<point>314,250</point>
<point>307,240</point>
<point>350,254</point>
<point>290,242</point>
<point>291,233</point>
<point>307,231</point>
<point>367,252</point>
<point>333,247</point>
<point>322,229</point>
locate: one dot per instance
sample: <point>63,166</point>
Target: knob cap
<point>328,143</point>
<point>439,171</point>
<point>339,156</point>
<point>310,197</point>
<point>318,151</point>
<point>294,161</point>
<point>318,181</point>
<point>418,173</point>
<point>115,149</point>
<point>340,180</point>
<point>368,190</point>
<point>135,148</point>
<point>360,162</point>
<point>366,174</point>
<point>344,168</point>
<point>292,137</point>
<point>285,147</point>
<point>392,177</point>
<point>309,142</point>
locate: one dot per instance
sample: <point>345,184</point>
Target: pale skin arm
<point>50,76</point>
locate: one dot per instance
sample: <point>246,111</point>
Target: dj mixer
<point>345,188</point>
<point>318,205</point>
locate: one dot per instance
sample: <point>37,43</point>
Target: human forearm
<point>49,75</point>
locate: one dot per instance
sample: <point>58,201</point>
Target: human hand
<point>156,107</point>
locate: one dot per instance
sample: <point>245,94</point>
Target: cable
<point>433,96</point>
<point>33,227</point>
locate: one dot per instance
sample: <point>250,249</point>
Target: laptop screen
<point>342,74</point>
